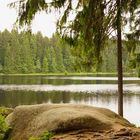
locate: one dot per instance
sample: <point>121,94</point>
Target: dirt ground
<point>122,134</point>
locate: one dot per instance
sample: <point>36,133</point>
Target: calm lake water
<point>94,91</point>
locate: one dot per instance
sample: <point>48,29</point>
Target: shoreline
<point>66,74</point>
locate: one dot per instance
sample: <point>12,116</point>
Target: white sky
<point>43,22</point>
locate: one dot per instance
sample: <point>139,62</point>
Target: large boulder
<point>34,120</point>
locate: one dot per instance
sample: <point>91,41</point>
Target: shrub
<point>3,127</point>
<point>46,136</point>
<point>32,138</point>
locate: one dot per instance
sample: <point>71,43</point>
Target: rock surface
<point>122,134</point>
<point>34,120</point>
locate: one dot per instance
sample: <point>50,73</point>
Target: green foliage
<point>94,20</point>
<point>93,24</point>
<point>45,65</point>
<point>46,136</point>
<point>2,110</point>
<point>3,126</point>
<point>1,68</point>
<point>33,138</point>
<point>38,66</point>
<point>27,53</point>
<point>138,71</point>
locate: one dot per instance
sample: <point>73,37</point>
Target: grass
<point>66,74</point>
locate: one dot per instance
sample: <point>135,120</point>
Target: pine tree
<point>45,65</point>
<point>95,20</point>
<point>8,61</point>
<point>52,64</point>
<point>38,66</point>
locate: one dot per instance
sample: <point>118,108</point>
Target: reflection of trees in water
<point>32,79</point>
<point>128,98</point>
<point>58,81</point>
<point>14,98</point>
<point>19,80</point>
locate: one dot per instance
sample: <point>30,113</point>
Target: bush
<point>3,127</point>
<point>46,136</point>
<point>32,138</point>
<point>65,73</point>
<point>2,110</point>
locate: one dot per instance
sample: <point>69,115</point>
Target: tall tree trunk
<point>119,55</point>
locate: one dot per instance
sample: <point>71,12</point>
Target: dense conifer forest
<point>33,53</point>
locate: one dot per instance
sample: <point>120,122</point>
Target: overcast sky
<point>42,22</point>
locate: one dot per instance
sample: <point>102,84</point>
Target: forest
<point>32,53</point>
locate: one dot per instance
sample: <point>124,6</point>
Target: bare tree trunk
<point>119,55</point>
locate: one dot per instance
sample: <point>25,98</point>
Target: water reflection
<point>61,80</point>
<point>95,91</point>
<point>131,102</point>
<point>14,98</point>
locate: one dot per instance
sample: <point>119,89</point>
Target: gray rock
<point>34,120</point>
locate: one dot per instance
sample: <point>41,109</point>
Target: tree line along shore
<point>26,53</point>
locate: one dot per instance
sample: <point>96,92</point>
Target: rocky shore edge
<point>69,122</point>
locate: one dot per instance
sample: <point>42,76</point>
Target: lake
<point>96,91</point>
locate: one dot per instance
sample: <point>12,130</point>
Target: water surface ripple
<point>92,78</point>
<point>135,88</point>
